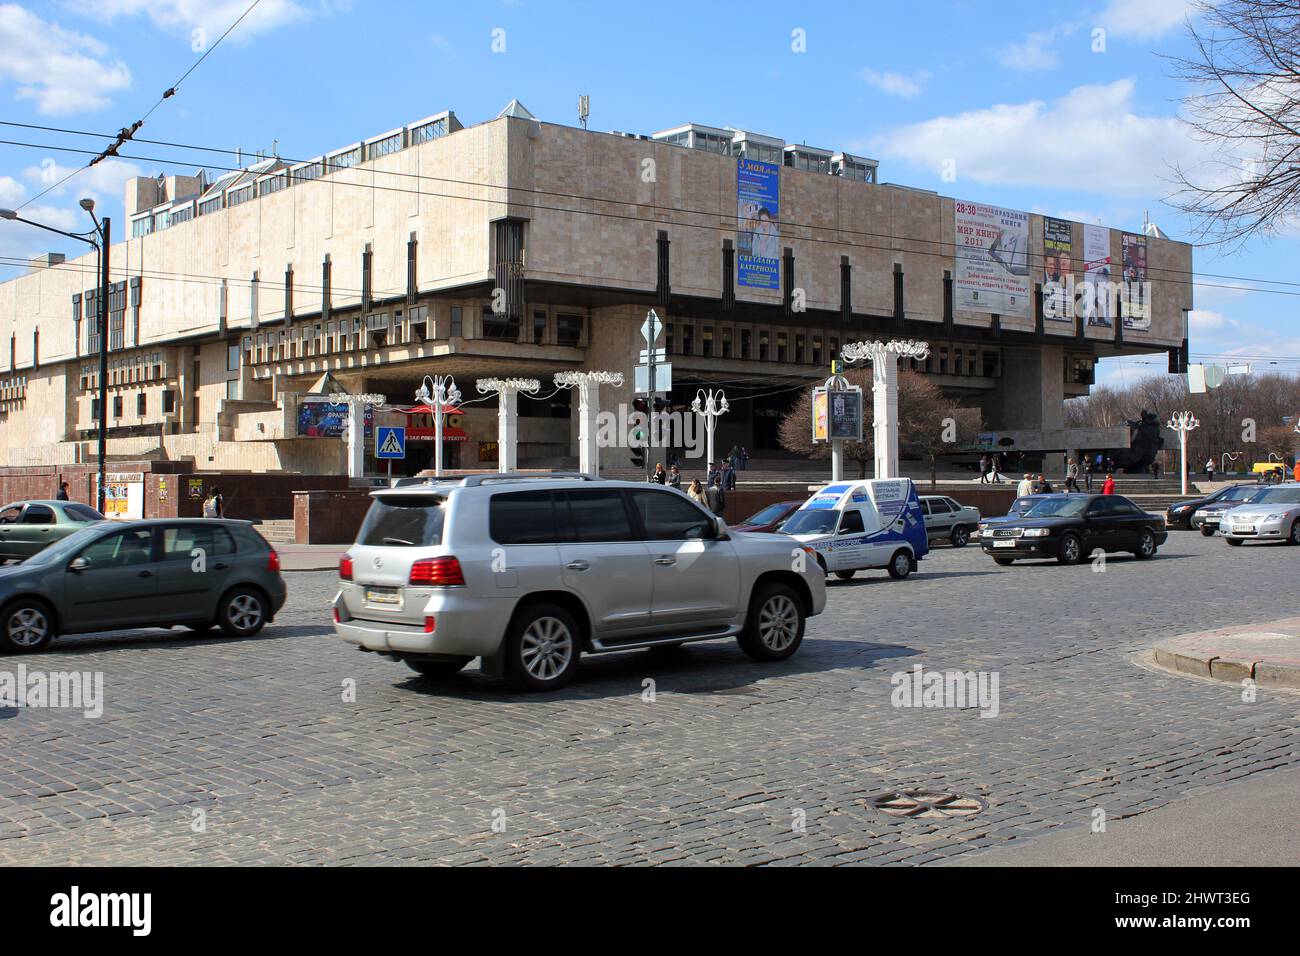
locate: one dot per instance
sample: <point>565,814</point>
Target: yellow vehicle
<point>1269,471</point>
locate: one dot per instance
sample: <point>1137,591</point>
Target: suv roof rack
<point>473,481</point>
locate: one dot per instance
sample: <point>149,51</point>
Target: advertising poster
<point>1058,267</point>
<point>992,267</point>
<point>1098,295</point>
<point>846,415</point>
<point>821,429</point>
<point>1137,305</point>
<point>758,232</point>
<point>123,495</point>
<point>326,419</point>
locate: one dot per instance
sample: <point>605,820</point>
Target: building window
<point>943,360</point>
<point>500,326</point>
<point>688,340</point>
<point>670,331</point>
<point>781,342</point>
<point>726,343</point>
<point>568,329</point>
<point>232,358</point>
<point>94,409</point>
<point>232,389</point>
<point>141,404</point>
<point>990,364</point>
<point>706,341</point>
<point>764,345</point>
<point>539,328</point>
<point>744,343</point>
<point>457,321</point>
<point>169,402</point>
<point>817,350</point>
<point>117,406</point>
<point>800,344</point>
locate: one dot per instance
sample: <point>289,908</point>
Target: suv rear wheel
<point>774,624</point>
<point>543,647</point>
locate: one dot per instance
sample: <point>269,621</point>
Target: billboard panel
<point>992,267</point>
<point>758,231</point>
<point>1058,269</point>
<point>1098,291</point>
<point>1137,308</point>
<point>326,419</point>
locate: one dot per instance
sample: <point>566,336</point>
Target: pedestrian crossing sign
<point>390,442</point>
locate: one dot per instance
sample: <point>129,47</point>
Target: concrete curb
<point>1268,654</point>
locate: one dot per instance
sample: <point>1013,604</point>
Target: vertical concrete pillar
<point>884,392</point>
<point>356,440</point>
<point>507,430</point>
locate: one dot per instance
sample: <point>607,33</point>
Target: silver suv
<point>528,572</point>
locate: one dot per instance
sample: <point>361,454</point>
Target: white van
<point>863,524</point>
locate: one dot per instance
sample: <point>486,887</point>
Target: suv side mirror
<point>78,564</point>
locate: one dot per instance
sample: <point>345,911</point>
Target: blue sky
<point>1027,103</point>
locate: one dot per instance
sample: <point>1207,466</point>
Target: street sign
<point>663,378</point>
<point>651,328</point>
<point>660,356</point>
<point>390,442</point>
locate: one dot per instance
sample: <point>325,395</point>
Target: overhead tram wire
<point>947,249</point>
<point>128,132</point>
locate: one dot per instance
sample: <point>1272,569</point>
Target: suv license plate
<point>1004,544</point>
<point>388,597</point>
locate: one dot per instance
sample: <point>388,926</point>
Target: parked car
<point>856,525</point>
<point>1069,527</point>
<point>768,519</point>
<point>528,572</point>
<point>1273,516</point>
<point>161,572</point>
<point>1017,508</point>
<point>28,526</point>
<point>946,519</point>
<point>1206,518</point>
<point>1179,514</point>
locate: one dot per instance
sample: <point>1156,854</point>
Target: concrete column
<point>588,448</point>
<point>507,430</point>
<point>884,392</point>
<point>356,439</point>
<point>1033,388</point>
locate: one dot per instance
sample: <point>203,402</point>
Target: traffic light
<point>640,405</point>
<point>662,405</point>
<point>638,457</point>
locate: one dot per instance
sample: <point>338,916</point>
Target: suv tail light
<point>437,572</point>
<point>345,568</point>
<point>273,560</point>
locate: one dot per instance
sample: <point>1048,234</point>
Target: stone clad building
<point>521,248</point>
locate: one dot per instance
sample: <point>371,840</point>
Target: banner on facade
<point>1136,291</point>
<point>321,418</point>
<point>758,230</point>
<point>1058,269</point>
<point>992,267</point>
<point>123,495</point>
<point>1098,289</point>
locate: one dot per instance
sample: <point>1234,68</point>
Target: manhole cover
<point>927,804</point>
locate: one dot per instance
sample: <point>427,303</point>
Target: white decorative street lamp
<point>1182,422</point>
<point>710,404</point>
<point>588,386</point>
<point>356,427</point>
<point>884,357</point>
<point>444,392</point>
<point>507,391</point>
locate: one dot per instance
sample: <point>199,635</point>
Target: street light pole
<point>710,405</point>
<point>1182,422</point>
<point>444,390</point>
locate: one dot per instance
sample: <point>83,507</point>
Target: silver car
<point>1273,516</point>
<point>529,572</point>
<point>946,519</point>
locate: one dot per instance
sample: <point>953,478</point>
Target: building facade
<point>521,248</point>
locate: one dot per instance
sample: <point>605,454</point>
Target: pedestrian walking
<point>214,504</point>
<point>1071,475</point>
<point>717,499</point>
<point>1108,486</point>
<point>744,459</point>
<point>733,456</point>
<point>728,476</point>
<point>1026,487</point>
<point>1209,468</point>
<point>63,492</point>
<point>1087,474</point>
<point>675,477</point>
<point>660,477</point>
<point>712,473</point>
<point>995,465</point>
<point>1044,486</point>
<point>984,469</point>
<point>1155,470</point>
<point>695,491</point>
<point>1296,473</point>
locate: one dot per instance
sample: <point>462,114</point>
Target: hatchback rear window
<point>82,513</point>
<point>404,521</point>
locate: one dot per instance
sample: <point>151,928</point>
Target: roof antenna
<point>584,109</point>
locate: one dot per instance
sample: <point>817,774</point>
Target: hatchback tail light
<point>345,568</point>
<point>273,560</point>
<point>437,572</point>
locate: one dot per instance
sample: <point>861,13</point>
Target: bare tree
<point>1244,104</point>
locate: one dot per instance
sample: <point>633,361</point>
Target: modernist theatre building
<point>521,248</point>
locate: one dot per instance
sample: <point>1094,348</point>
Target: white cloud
<point>62,71</point>
<point>897,84</point>
<point>11,192</point>
<point>1091,139</point>
<point>1144,19</point>
<point>1033,53</point>
<point>212,17</point>
<point>1202,321</point>
<point>104,180</point>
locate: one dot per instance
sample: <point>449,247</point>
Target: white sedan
<point>1274,516</point>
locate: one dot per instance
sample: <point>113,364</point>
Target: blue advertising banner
<point>327,419</point>
<point>758,232</point>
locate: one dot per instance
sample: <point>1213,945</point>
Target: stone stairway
<point>279,531</point>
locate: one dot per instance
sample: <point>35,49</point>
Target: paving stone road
<point>718,768</point>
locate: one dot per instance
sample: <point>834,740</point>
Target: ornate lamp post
<point>507,391</point>
<point>1182,422</point>
<point>588,386</point>
<point>443,392</point>
<point>884,357</point>
<point>710,404</point>
<point>356,427</point>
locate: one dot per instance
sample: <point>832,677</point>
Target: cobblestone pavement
<point>718,768</point>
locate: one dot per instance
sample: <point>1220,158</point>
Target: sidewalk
<point>1268,653</point>
<point>309,557</point>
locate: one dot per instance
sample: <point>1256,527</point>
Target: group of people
<point>719,479</point>
<point>1032,484</point>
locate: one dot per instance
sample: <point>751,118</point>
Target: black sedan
<point>1180,513</point>
<point>1071,527</point>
